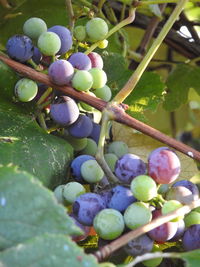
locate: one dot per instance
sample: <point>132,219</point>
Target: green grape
<point>72,190</point>
<point>85,106</point>
<point>99,78</point>
<point>103,44</point>
<point>49,43</point>
<point>34,27</point>
<point>136,215</point>
<point>90,148</point>
<point>78,144</point>
<point>144,188</point>
<point>109,224</point>
<point>107,264</point>
<point>91,171</point>
<point>26,90</point>
<point>192,218</point>
<point>80,33</point>
<point>119,148</point>
<point>197,209</point>
<point>170,206</point>
<point>111,160</point>
<point>96,29</point>
<point>153,262</point>
<point>104,93</point>
<point>58,193</point>
<point>82,80</point>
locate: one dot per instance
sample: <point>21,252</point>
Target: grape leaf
<point>180,80</point>
<point>192,258</point>
<point>24,143</point>
<point>47,250</point>
<point>28,209</point>
<point>142,145</point>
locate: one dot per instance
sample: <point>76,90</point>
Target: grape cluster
<point>145,190</point>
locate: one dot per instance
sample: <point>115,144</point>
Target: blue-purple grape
<point>65,38</point>
<point>86,207</point>
<point>76,166</point>
<point>20,48</point>
<point>180,231</point>
<point>96,60</point>
<point>80,61</point>
<point>61,72</point>
<point>95,132</point>
<point>163,165</point>
<point>64,111</point>
<point>128,167</point>
<point>191,238</point>
<point>37,55</point>
<point>121,198</point>
<point>180,193</point>
<point>81,128</point>
<point>189,185</point>
<point>85,229</point>
<point>139,246</point>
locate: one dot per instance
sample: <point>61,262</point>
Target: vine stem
<point>116,28</point>
<point>157,2</point>
<point>119,114</point>
<point>70,10</point>
<point>105,251</point>
<point>132,82</point>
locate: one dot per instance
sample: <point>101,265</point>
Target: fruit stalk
<point>132,82</point>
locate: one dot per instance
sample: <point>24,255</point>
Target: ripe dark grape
<point>95,132</point>
<point>189,185</point>
<point>64,111</point>
<point>20,48</point>
<point>76,166</point>
<point>82,127</point>
<point>163,232</point>
<point>65,38</point>
<point>180,193</point>
<point>37,56</point>
<point>86,207</point>
<point>163,165</point>
<point>121,198</point>
<point>85,229</point>
<point>96,60</point>
<point>80,61</point>
<point>61,72</point>
<point>191,238</point>
<point>138,246</point>
<point>128,167</point>
<point>180,231</point>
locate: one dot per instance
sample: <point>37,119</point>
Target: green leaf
<point>47,250</point>
<point>24,143</point>
<point>28,209</point>
<point>192,258</point>
<point>180,80</point>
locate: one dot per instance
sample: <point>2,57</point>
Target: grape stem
<point>70,11</point>
<point>132,82</point>
<point>116,28</point>
<point>119,114</point>
<point>44,95</point>
<point>105,251</point>
<point>157,2</point>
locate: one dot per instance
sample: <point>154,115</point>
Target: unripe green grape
<point>111,160</point>
<point>96,29</point>
<point>80,33</point>
<point>91,171</point>
<point>107,264</point>
<point>26,90</point>
<point>49,43</point>
<point>192,218</point>
<point>144,188</point>
<point>78,144</point>
<point>72,190</point>
<point>99,77</point>
<point>153,262</point>
<point>90,148</point>
<point>170,206</point>
<point>103,44</point>
<point>109,224</point>
<point>34,27</point>
<point>104,93</point>
<point>85,106</point>
<point>119,148</point>
<point>58,193</point>
<point>82,80</point>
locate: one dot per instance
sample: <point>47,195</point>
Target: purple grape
<point>76,166</point>
<point>20,48</point>
<point>61,72</point>
<point>81,128</point>
<point>95,132</point>
<point>37,56</point>
<point>189,185</point>
<point>128,167</point>
<point>180,193</point>
<point>163,232</point>
<point>96,60</point>
<point>121,198</point>
<point>191,238</point>
<point>80,61</point>
<point>179,232</point>
<point>64,111</point>
<point>86,206</point>
<point>138,246</point>
<point>65,38</point>
<point>163,165</point>
<point>85,229</point>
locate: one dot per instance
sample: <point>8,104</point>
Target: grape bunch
<point>144,190</point>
